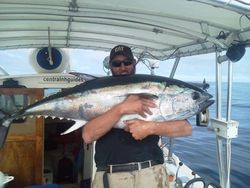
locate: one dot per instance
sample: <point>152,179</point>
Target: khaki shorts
<point>151,177</point>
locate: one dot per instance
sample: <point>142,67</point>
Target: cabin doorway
<point>67,160</point>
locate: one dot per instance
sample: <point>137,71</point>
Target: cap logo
<point>119,48</point>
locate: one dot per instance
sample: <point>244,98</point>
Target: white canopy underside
<point>161,28</point>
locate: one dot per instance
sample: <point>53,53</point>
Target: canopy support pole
<point>237,6</point>
<point>225,129</point>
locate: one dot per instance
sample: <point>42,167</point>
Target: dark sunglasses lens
<point>116,63</point>
<point>126,63</point>
<point>119,63</point>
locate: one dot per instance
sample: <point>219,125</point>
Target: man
<point>130,157</point>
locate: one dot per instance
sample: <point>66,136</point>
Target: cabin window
<point>12,103</point>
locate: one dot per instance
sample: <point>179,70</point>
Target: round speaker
<point>236,52</point>
<point>41,61</point>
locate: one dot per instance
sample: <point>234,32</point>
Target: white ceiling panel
<point>158,27</point>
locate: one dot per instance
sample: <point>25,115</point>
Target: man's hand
<point>137,105</point>
<point>139,128</point>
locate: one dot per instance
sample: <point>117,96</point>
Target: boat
<point>155,30</point>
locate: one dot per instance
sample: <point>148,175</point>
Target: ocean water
<point>199,150</point>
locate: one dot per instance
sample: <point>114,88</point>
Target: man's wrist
<point>118,109</point>
<point>153,128</point>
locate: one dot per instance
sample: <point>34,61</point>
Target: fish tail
<point>3,135</point>
<point>4,129</point>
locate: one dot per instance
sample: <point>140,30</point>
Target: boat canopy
<point>161,29</point>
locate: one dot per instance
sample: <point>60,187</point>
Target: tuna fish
<point>175,99</point>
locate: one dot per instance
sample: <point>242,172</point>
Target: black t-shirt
<point>118,147</point>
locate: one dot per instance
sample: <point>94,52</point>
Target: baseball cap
<point>121,50</point>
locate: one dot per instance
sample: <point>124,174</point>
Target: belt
<point>128,166</point>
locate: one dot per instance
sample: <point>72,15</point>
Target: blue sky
<point>194,68</point>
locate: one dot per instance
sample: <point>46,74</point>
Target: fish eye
<point>195,95</point>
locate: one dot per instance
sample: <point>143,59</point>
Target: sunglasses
<point>119,63</point>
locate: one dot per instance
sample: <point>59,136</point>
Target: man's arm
<point>100,125</point>
<point>141,129</point>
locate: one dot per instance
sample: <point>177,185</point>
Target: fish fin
<point>144,95</point>
<point>84,76</point>
<point>76,125</point>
